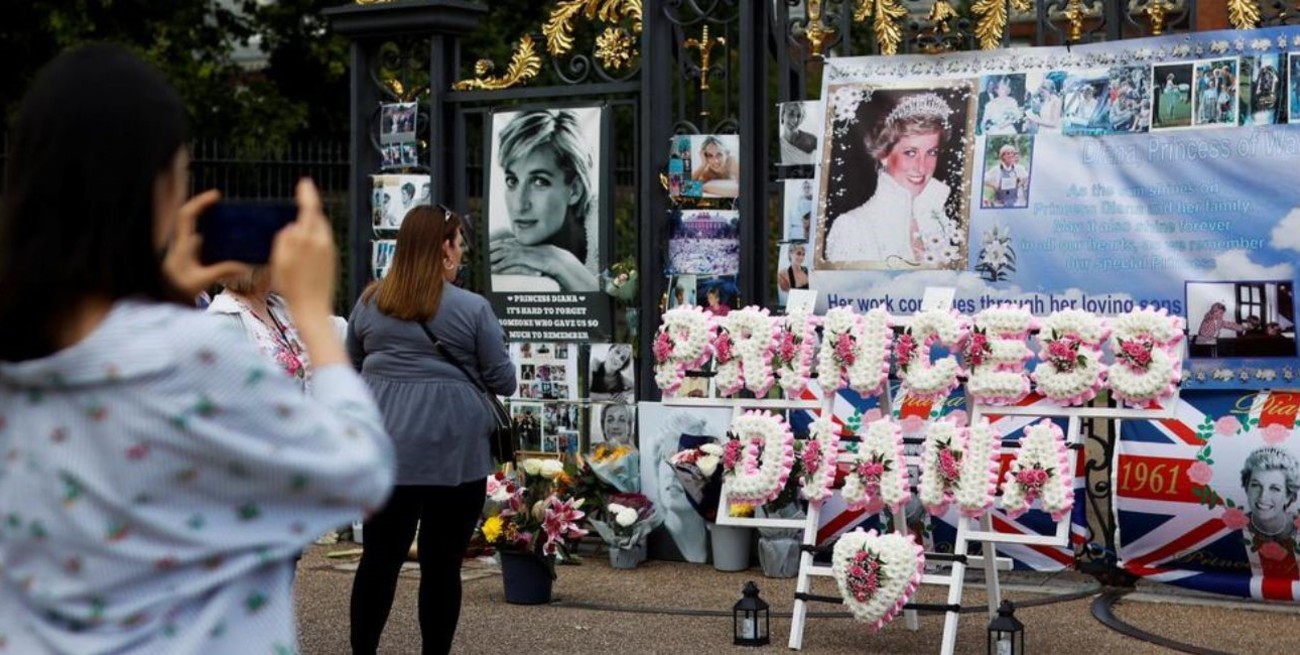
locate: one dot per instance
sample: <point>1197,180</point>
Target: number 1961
<point>1139,477</point>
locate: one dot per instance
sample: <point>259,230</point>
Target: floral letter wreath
<point>878,477</point>
<point>1040,470</point>
<point>747,341</point>
<point>959,464</point>
<point>1069,369</point>
<point>996,354</point>
<point>1147,364</point>
<point>682,343</point>
<point>854,348</point>
<point>876,574</point>
<point>796,340</point>
<point>819,454</point>
<point>922,378</point>
<point>757,458</point>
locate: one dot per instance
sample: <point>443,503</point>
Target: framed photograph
<point>528,424</point>
<point>681,290</point>
<point>664,431</point>
<point>381,256</point>
<point>1247,318</point>
<point>704,166</point>
<point>1173,96</point>
<point>896,161</point>
<point>705,242</point>
<point>397,122</point>
<point>1215,100</point>
<point>798,210</point>
<point>395,195</point>
<point>612,373</point>
<point>1000,111</point>
<point>544,203</point>
<point>792,269</point>
<point>613,424</point>
<point>1262,90</point>
<point>801,128</point>
<point>1007,163</point>
<point>1044,106</point>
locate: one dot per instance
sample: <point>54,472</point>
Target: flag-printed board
<point>1207,499</point>
<point>854,411</point>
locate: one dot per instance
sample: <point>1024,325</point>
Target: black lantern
<point>750,619</point>
<point>1006,632</point>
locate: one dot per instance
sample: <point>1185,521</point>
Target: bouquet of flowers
<point>699,470</point>
<point>618,467</point>
<point>625,522</point>
<point>532,509</point>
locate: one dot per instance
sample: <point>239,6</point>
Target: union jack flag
<point>1183,515</point>
<point>852,410</point>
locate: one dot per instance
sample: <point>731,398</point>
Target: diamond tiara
<point>924,104</point>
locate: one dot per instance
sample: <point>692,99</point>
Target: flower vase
<point>526,578</point>
<point>731,547</point>
<point>627,558</point>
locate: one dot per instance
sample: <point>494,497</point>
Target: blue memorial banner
<point>1207,499</point>
<point>1156,172</point>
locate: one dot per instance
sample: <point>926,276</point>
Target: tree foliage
<point>303,90</point>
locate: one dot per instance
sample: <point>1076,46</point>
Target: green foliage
<point>303,90</point>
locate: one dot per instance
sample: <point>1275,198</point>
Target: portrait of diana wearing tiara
<point>894,191</point>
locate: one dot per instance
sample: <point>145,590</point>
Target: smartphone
<point>242,231</point>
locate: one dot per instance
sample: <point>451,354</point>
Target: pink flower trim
<point>1275,433</point>
<point>1235,519</point>
<point>793,356</point>
<point>1200,473</point>
<point>991,469</point>
<point>755,457</point>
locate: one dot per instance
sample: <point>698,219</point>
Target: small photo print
<point>528,424</point>
<point>1044,105</point>
<point>1241,319</point>
<point>381,256</point>
<point>395,195</point>
<point>1261,90</point>
<point>717,294</point>
<point>704,166</point>
<point>1215,101</point>
<point>1173,95</point>
<point>800,129</point>
<point>612,374</point>
<point>1007,163</point>
<point>705,242</point>
<point>397,122</point>
<point>1293,89</point>
<point>999,104</point>
<point>1104,101</point>
<point>561,428</point>
<point>792,269</point>
<point>798,210</point>
<point>681,290</point>
<point>614,425</point>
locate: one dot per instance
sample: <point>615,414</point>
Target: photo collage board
<point>573,398</point>
<point>396,190</point>
<point>703,224</point>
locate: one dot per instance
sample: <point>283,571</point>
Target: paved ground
<point>665,607</point>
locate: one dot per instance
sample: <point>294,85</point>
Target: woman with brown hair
<point>437,417</point>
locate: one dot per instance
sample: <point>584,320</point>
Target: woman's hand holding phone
<point>181,263</point>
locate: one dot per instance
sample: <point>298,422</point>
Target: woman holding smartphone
<point>168,473</point>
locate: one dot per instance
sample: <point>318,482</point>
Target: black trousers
<point>449,515</point>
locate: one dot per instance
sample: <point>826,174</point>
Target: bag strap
<point>446,354</point>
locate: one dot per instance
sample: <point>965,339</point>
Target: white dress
<point>880,229</point>
<point>1000,115</point>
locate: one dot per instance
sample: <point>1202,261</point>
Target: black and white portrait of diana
<point>543,193</point>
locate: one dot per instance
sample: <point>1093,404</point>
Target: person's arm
<point>272,454</point>
<point>783,280</point>
<point>490,351</point>
<point>356,351</point>
<point>722,188</point>
<point>508,255</point>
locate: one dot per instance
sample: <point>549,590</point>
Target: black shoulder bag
<point>502,439</point>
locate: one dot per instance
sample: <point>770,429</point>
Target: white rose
<point>707,464</point>
<point>615,508</point>
<point>532,466</point>
<point>626,517</point>
<point>712,449</point>
<point>551,467</point>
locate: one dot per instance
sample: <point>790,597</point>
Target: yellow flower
<point>741,511</point>
<point>492,528</point>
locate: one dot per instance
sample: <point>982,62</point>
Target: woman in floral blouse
<point>247,299</point>
<point>159,473</point>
